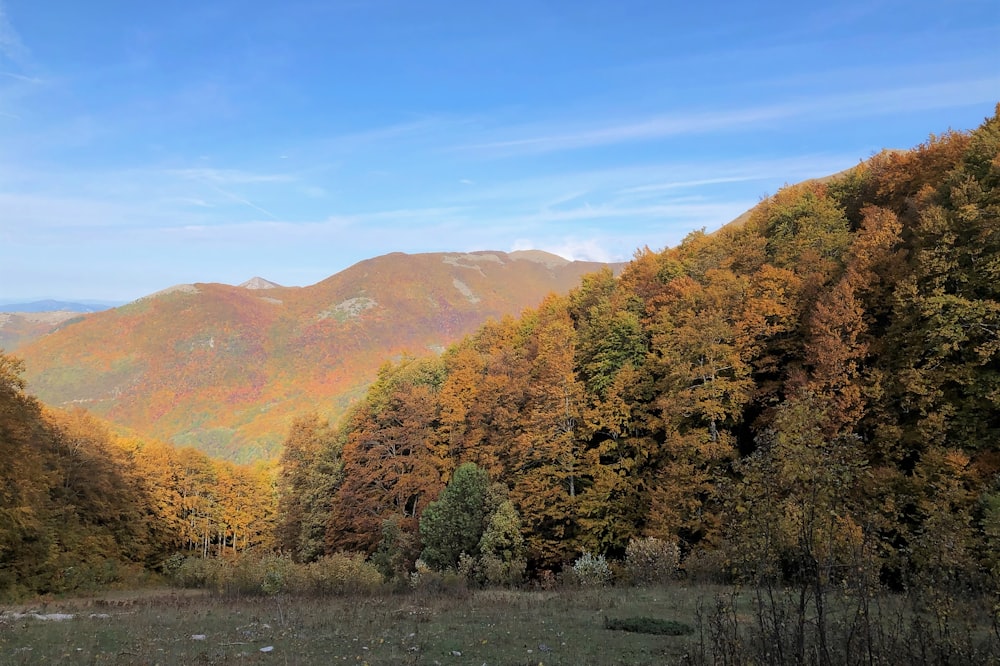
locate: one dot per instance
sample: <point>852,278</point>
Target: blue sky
<point>145,144</point>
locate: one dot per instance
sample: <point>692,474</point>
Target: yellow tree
<point>308,475</point>
<point>705,384</point>
<point>24,481</point>
<point>546,458</point>
<point>494,415</point>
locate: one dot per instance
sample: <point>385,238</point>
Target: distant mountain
<point>20,323</point>
<point>53,306</point>
<point>226,368</point>
<point>259,283</point>
<point>20,328</point>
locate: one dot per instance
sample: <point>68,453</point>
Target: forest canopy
<point>828,368</point>
<point>814,386</point>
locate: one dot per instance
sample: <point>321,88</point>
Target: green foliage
<point>648,625</point>
<point>502,551</point>
<point>591,570</point>
<point>493,571</point>
<point>425,580</point>
<point>394,556</point>
<point>270,574</point>
<point>310,472</point>
<point>454,523</point>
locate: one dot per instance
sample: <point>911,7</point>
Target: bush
<point>266,575</point>
<point>197,572</point>
<point>496,571</point>
<point>649,625</point>
<point>591,570</point>
<point>343,573</point>
<point>709,566</point>
<point>426,580</point>
<point>270,574</point>
<point>650,561</point>
<point>396,552</point>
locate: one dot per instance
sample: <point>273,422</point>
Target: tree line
<point>812,394</point>
<point>817,384</point>
<point>82,506</point>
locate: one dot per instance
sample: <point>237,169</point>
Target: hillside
<point>223,368</point>
<point>810,395</point>
<point>81,507</point>
<point>19,327</point>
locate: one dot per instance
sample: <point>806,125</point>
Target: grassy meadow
<point>495,627</point>
<point>491,627</point>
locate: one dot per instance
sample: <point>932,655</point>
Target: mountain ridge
<point>53,305</point>
<point>224,368</point>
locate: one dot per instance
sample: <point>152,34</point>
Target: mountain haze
<point>20,327</point>
<point>50,305</point>
<point>223,368</point>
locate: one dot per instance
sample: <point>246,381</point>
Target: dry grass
<point>495,627</point>
<point>491,627</point>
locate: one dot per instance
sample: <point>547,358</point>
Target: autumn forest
<point>810,392</point>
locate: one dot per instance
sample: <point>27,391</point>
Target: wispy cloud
<point>863,104</point>
<point>635,130</point>
<point>231,176</point>
<point>243,200</point>
<point>22,78</point>
<point>221,181</point>
<point>11,46</point>
<point>686,184</point>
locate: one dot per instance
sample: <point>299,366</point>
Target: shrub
<point>261,575</point>
<point>591,570</point>
<point>342,573</point>
<point>428,581</point>
<point>506,573</point>
<point>242,575</point>
<point>396,552</point>
<point>649,625</point>
<point>651,560</point>
<point>197,572</point>
<point>709,566</point>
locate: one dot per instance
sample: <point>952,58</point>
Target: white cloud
<point>686,184</point>
<point>243,200</point>
<point>11,46</point>
<point>656,127</point>
<point>22,78</point>
<point>231,176</point>
<point>576,249</point>
<point>529,140</point>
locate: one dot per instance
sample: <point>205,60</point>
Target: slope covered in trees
<point>224,369</point>
<point>817,383</point>
<point>81,507</point>
<point>812,395</point>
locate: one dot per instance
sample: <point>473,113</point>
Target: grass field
<point>483,627</point>
<point>518,628</point>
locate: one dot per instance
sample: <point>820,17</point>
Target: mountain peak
<point>259,283</point>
